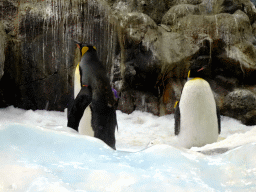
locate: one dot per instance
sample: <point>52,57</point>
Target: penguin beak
<point>200,69</point>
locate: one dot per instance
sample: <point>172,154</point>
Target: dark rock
<point>174,50</point>
<point>177,12</point>
<point>135,26</point>
<point>146,102</point>
<point>238,53</point>
<point>40,54</point>
<point>223,26</point>
<point>154,8</point>
<point>250,118</point>
<point>8,12</point>
<point>241,99</point>
<point>228,83</point>
<point>10,81</point>
<point>240,104</point>
<point>248,8</point>
<point>126,102</point>
<point>130,73</point>
<point>231,6</point>
<point>136,100</point>
<point>140,65</point>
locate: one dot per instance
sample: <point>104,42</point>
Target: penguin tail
<point>109,124</point>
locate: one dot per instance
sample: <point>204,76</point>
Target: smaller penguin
<point>94,98</point>
<point>197,118</point>
<point>85,127</point>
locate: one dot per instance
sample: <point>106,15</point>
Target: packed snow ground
<point>39,153</point>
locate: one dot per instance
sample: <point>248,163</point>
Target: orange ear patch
<point>84,50</point>
<point>176,103</point>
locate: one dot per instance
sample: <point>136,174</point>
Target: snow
<point>39,153</point>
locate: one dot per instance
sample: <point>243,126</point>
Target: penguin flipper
<point>82,100</point>
<point>219,119</point>
<point>177,119</point>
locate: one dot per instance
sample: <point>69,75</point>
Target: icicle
<point>216,21</point>
<point>143,103</point>
<point>238,33</point>
<point>46,105</point>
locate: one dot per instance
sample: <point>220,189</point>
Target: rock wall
<point>147,47</point>
<point>41,52</point>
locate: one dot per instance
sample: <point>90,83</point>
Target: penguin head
<point>84,48</point>
<point>200,65</point>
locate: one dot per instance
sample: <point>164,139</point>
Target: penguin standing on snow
<point>92,87</point>
<point>197,118</point>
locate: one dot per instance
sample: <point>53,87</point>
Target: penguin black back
<point>96,91</point>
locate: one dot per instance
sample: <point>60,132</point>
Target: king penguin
<point>93,111</point>
<point>197,118</point>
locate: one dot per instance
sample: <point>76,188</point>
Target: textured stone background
<point>147,47</point>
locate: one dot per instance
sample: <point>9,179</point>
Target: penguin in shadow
<point>197,117</point>
<point>94,98</point>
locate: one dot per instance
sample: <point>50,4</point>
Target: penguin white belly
<point>85,127</point>
<point>198,116</point>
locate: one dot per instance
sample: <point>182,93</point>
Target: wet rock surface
<point>146,46</point>
<point>40,54</point>
<point>241,104</point>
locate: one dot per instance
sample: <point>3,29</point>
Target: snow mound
<point>38,159</point>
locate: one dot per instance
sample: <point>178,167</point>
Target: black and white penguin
<point>197,118</point>
<point>85,127</point>
<point>93,111</point>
